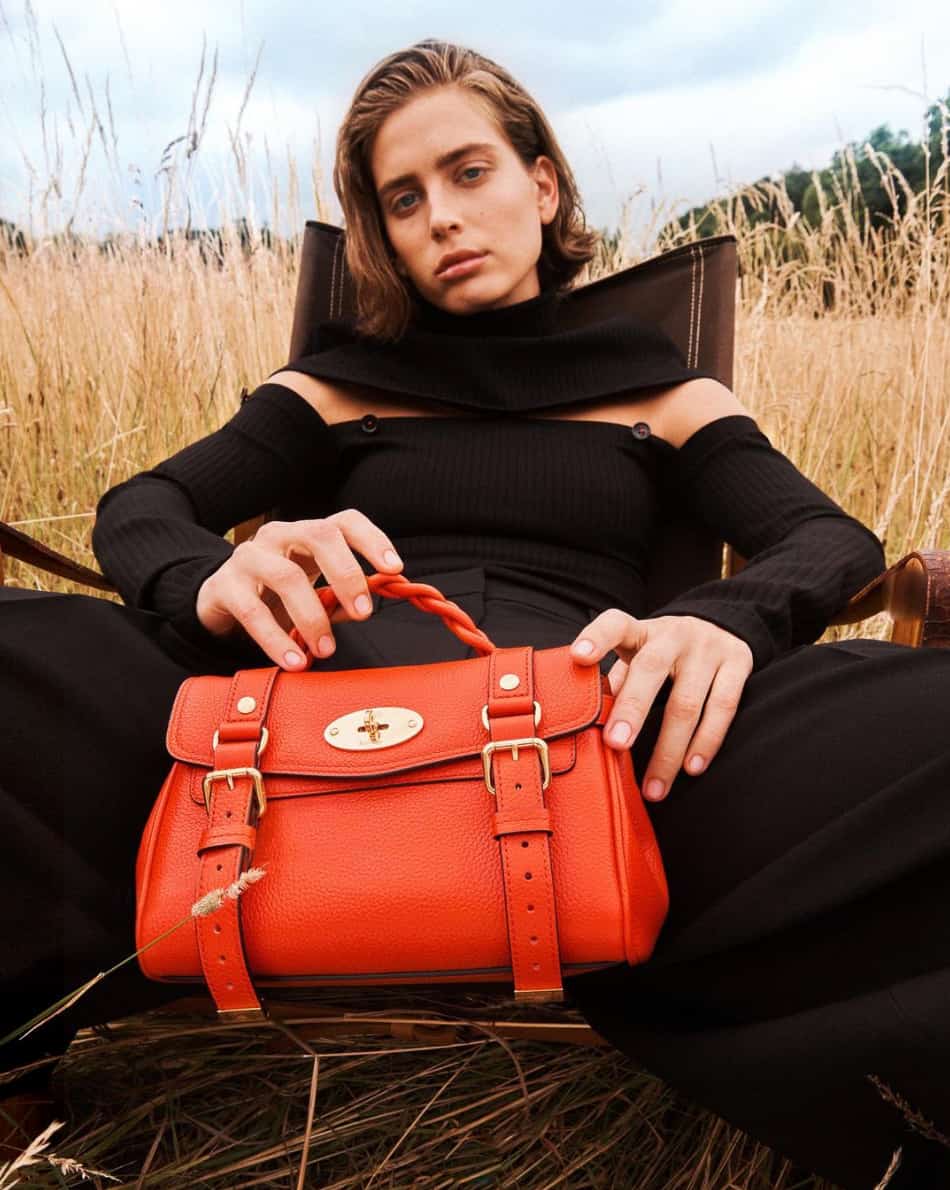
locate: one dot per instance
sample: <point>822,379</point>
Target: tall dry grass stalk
<point>112,361</point>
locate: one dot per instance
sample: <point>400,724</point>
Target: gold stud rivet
<point>509,681</point>
<point>246,705</point>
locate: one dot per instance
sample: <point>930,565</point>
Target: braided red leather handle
<point>421,595</point>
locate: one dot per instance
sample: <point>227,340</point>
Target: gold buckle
<point>529,741</point>
<point>229,775</point>
<point>537,715</point>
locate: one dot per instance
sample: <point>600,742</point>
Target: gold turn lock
<point>372,728</point>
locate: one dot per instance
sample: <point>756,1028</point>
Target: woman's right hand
<point>266,585</point>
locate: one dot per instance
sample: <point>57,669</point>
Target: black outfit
<point>805,946</point>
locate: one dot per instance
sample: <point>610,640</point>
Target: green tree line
<point>853,172</point>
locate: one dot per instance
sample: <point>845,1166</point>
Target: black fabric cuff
<point>220,654</point>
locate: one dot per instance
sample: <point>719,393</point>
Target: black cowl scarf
<point>511,359</point>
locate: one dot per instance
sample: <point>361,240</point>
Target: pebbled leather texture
<point>396,864</point>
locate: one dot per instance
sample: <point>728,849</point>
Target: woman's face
<point>482,199</point>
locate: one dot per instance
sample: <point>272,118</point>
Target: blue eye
<point>398,204</point>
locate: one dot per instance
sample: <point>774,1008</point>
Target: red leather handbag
<point>455,821</point>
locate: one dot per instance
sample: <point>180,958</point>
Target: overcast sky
<point>652,102</point>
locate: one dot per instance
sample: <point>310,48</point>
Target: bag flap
<point>447,695</point>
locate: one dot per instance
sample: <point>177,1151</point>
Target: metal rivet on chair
<point>246,705</point>
<point>509,681</point>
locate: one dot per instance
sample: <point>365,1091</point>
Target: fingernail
<point>364,605</point>
<point>391,558</point>
<point>695,764</point>
<point>584,646</point>
<point>325,645</point>
<point>292,658</point>
<point>654,789</point>
<point>619,733</point>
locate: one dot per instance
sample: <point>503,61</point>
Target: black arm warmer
<point>805,555</point>
<point>158,535</point>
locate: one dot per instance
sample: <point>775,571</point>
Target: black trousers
<point>807,943</point>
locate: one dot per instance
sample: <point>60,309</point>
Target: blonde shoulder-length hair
<point>383,302</point>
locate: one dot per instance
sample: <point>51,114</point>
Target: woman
<point>805,854</point>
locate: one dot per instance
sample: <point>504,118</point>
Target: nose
<point>441,219</point>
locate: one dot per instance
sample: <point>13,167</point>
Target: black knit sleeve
<point>158,535</point>
<point>805,556</point>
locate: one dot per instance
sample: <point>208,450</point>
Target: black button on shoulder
<point>641,430</point>
<point>370,423</point>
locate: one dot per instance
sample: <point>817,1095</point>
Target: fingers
<point>680,716</point>
<point>709,667</point>
<point>256,566</point>
<point>335,535</point>
<point>323,545</point>
<point>612,629</point>
<point>722,704</point>
<point>617,675</point>
<point>368,539</point>
<point>648,662</point>
<point>679,738</point>
<point>645,675</point>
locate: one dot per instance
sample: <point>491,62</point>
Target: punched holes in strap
<point>227,844</point>
<point>526,852</point>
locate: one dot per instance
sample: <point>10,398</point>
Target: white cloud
<point>632,92</point>
<point>835,89</point>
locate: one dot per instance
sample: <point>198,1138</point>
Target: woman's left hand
<point>708,664</point>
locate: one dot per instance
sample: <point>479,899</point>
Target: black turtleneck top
<point>566,506</point>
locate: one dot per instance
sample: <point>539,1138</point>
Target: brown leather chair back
<point>689,292</point>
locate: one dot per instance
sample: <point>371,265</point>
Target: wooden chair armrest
<point>34,553</point>
<point>313,1021</point>
<point>915,592</point>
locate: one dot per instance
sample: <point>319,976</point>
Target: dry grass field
<point>111,362</point>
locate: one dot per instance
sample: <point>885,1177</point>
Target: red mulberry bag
<point>454,821</point>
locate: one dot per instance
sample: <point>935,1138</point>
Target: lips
<point>457,258</point>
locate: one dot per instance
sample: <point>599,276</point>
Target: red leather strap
<point>227,844</point>
<point>244,836</point>
<point>523,827</point>
<point>506,824</point>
